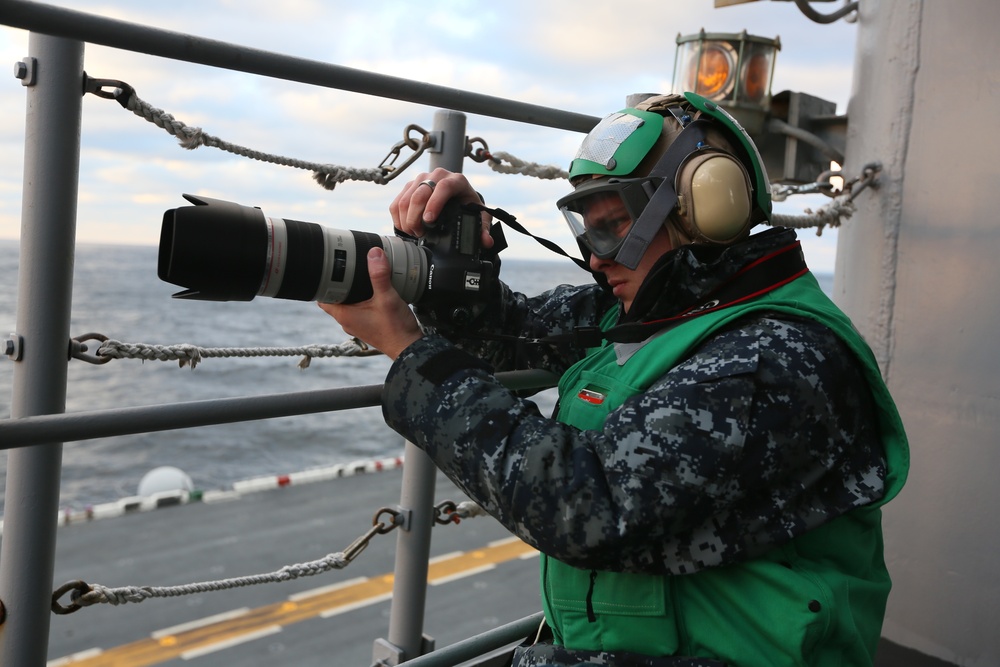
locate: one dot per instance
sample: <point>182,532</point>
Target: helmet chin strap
<point>664,199</point>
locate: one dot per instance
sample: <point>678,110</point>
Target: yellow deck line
<point>325,601</point>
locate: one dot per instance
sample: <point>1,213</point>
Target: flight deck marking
<point>343,609</point>
<point>229,643</point>
<point>449,555</point>
<point>295,597</point>
<point>215,633</point>
<point>462,575</point>
<point>68,660</point>
<point>201,622</point>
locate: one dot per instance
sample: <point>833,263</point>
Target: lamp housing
<point>733,70</point>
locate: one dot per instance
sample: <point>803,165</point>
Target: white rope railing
<point>99,594</point>
<point>192,355</point>
<point>519,166</point>
<point>828,215</point>
<point>329,175</point>
<point>191,138</point>
<point>83,594</point>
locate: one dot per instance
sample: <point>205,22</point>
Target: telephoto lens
<point>223,251</point>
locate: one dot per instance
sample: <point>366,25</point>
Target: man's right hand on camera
<point>423,199</point>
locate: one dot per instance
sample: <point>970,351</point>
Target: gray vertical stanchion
<point>409,593</point>
<point>54,76</point>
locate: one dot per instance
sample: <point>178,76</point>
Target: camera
<point>223,251</point>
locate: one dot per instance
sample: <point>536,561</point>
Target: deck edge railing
<point>93,29</point>
<point>39,426</point>
<point>74,426</point>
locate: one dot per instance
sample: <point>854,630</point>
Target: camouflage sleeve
<point>513,315</point>
<point>764,433</point>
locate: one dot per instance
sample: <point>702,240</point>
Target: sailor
<point>709,490</point>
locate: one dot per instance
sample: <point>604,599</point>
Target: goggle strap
<point>647,226</point>
<point>512,222</point>
<point>686,143</point>
<point>664,199</point>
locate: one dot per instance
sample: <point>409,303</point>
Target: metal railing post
<point>406,616</point>
<point>45,289</point>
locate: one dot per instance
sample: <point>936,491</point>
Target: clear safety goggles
<point>601,212</point>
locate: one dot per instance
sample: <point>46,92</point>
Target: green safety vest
<point>818,600</point>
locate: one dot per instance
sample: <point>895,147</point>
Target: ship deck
<point>480,578</point>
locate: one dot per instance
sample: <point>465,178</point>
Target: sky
<point>578,55</point>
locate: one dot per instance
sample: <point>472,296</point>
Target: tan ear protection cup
<point>714,197</point>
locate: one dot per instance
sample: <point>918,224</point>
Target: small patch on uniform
<point>591,396</point>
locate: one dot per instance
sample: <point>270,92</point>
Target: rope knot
<point>192,138</point>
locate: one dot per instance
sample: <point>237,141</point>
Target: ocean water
<point>117,293</point>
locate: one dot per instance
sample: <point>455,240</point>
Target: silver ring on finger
<point>429,183</point>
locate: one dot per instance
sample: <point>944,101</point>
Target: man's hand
<point>422,200</point>
<point>385,321</point>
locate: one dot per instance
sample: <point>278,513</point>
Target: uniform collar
<point>685,276</point>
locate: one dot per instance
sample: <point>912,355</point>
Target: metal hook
<point>77,350</point>
<point>397,519</point>
<point>378,528</point>
<point>479,154</point>
<point>121,91</point>
<point>445,512</point>
<point>388,164</point>
<point>78,588</point>
<point>869,178</point>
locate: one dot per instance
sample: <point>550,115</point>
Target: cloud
<point>584,56</point>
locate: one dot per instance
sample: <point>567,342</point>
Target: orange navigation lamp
<point>732,69</point>
<point>715,71</point>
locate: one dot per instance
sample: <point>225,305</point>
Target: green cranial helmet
<point>676,158</point>
<point>622,141</point>
<point>617,144</point>
<point>750,155</point>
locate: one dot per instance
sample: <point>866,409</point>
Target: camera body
<point>223,251</point>
<point>456,269</point>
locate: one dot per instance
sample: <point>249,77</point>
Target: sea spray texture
<point>116,293</point>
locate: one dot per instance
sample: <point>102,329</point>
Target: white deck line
<point>229,643</point>
<point>462,575</point>
<point>450,554</point>
<point>295,597</point>
<point>356,605</point>
<point>70,659</point>
<point>200,623</point>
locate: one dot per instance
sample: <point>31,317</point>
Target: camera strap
<point>760,277</point>
<point>512,222</point>
<point>756,279</point>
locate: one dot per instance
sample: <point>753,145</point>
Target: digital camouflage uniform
<point>660,489</point>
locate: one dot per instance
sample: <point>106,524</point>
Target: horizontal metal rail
<point>69,427</point>
<point>481,644</point>
<point>33,475</point>
<point>119,34</point>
